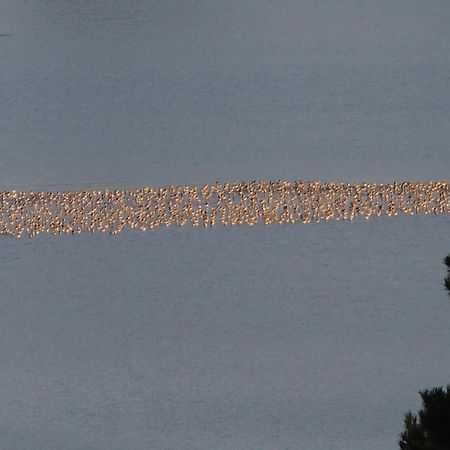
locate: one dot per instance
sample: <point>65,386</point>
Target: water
<point>313,337</point>
<point>130,93</point>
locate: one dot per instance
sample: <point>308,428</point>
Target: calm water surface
<point>296,337</point>
<point>145,92</point>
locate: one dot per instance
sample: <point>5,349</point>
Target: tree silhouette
<point>430,428</point>
<point>447,278</point>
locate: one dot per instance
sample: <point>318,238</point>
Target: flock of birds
<point>249,203</point>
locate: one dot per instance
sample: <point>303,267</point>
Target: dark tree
<point>447,278</point>
<point>430,428</point>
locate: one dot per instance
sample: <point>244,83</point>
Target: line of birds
<point>250,203</point>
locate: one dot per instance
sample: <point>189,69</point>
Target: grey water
<point>160,92</point>
<point>288,337</point>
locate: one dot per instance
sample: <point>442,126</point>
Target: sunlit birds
<point>245,203</point>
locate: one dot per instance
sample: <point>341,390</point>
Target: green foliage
<point>413,437</point>
<point>430,428</point>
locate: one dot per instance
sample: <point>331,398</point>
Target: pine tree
<point>413,438</point>
<point>430,428</point>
